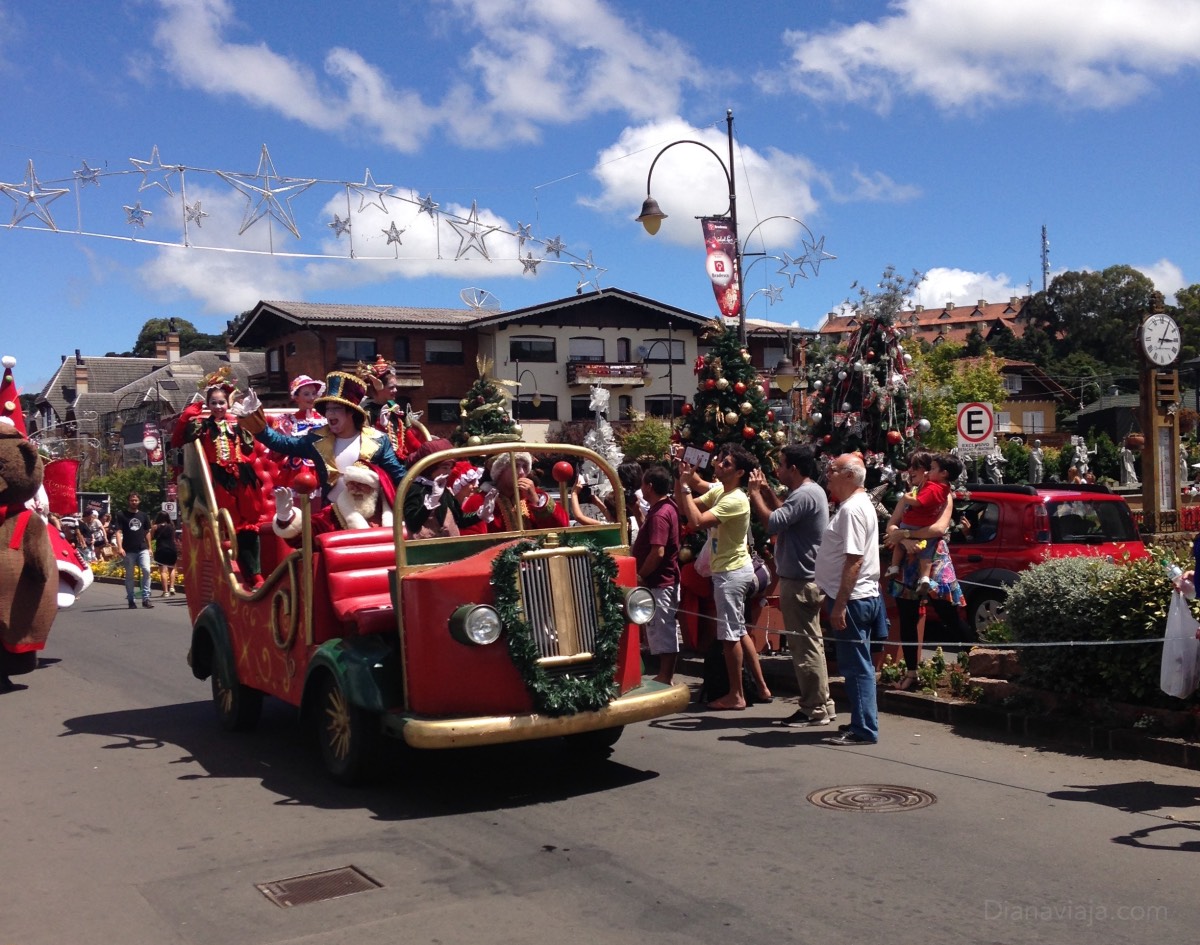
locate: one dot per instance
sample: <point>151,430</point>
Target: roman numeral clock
<point>1159,344</point>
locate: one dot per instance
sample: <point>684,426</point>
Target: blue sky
<point>933,135</point>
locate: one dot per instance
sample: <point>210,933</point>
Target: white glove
<point>434,499</point>
<point>487,511</point>
<point>283,504</point>
<point>247,405</point>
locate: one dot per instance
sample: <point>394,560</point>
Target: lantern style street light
<point>652,214</point>
<point>536,399</point>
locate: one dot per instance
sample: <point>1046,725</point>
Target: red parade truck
<point>471,640</point>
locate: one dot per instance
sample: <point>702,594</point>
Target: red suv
<point>999,531</point>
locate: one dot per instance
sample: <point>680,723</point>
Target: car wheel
<point>238,707</point>
<point>986,609</point>
<point>347,735</point>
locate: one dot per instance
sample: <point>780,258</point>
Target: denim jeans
<point>142,560</point>
<point>853,649</point>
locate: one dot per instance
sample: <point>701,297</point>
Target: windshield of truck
<point>1090,522</point>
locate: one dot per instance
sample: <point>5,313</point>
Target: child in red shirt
<point>921,508</point>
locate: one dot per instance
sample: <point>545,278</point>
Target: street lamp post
<point>652,215</point>
<point>645,352</point>
<point>536,400</point>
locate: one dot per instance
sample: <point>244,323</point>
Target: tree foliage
<point>944,379</point>
<point>190,339</point>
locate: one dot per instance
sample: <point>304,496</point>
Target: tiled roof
<point>951,323</point>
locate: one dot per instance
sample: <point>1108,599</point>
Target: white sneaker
<point>892,571</point>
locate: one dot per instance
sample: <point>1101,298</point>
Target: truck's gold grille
<point>558,601</point>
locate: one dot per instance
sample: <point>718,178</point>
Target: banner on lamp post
<point>721,249</point>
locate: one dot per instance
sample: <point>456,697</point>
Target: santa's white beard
<point>358,510</point>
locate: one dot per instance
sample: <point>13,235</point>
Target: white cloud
<point>1084,53</point>
<point>962,287</point>
<point>535,64</point>
<point>689,182</point>
<point>1167,277</point>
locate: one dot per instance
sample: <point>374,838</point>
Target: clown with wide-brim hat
<point>344,440</point>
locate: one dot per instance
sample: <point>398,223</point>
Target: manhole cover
<point>317,887</point>
<point>871,798</point>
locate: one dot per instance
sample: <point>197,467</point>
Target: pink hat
<point>304,381</point>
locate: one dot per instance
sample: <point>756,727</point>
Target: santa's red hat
<point>462,475</point>
<point>10,400</point>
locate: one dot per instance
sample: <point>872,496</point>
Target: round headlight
<point>639,606</point>
<point>476,624</point>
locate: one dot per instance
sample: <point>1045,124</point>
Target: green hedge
<point>1087,599</point>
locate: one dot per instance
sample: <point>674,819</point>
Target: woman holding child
<point>922,568</point>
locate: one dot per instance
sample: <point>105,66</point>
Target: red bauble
<point>710,384</point>
<point>686,409</point>
<point>827,439</point>
<point>771,416</point>
<point>563,472</point>
<point>748,433</point>
<point>739,387</point>
<point>894,437</point>
<point>305,481</point>
<point>709,446</point>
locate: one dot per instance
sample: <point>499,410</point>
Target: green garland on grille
<point>561,693</point>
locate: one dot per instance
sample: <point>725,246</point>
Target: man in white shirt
<point>847,572</point>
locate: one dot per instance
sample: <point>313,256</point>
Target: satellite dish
<point>480,299</point>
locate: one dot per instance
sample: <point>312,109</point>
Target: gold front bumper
<point>649,701</point>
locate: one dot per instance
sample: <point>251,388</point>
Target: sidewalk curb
<point>975,720</point>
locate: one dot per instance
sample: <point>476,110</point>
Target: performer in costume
<point>463,482</point>
<point>304,391</point>
<point>229,450</point>
<point>383,413</point>
<point>360,507</point>
<point>344,440</point>
<point>431,508</point>
<point>537,508</point>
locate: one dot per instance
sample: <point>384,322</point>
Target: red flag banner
<point>59,480</point>
<point>720,244</point>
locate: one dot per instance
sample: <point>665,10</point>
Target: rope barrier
<point>926,644</point>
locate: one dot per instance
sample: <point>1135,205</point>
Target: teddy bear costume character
<point>28,571</point>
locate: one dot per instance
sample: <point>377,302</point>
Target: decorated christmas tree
<point>729,405</point>
<point>861,400</point>
<point>484,416</point>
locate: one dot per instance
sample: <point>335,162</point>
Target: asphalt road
<point>128,818</point>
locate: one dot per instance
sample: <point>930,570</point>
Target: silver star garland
<point>524,232</point>
<point>31,199</point>
<point>393,234</point>
<point>368,187</point>
<point>267,196</point>
<point>529,264</point>
<point>339,226</point>
<point>555,246</point>
<point>194,214</point>
<point>136,215</point>
<point>87,175</point>
<point>471,234</point>
<point>155,173</point>
<point>426,205</point>
<point>793,269</point>
<point>814,254</point>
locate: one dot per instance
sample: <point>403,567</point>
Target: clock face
<point>1160,339</point>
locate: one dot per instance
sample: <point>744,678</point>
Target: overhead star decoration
<point>31,199</point>
<point>193,213</point>
<point>393,234</point>
<point>267,196</point>
<point>136,215</point>
<point>339,226</point>
<point>426,205</point>
<point>555,246</point>
<point>585,267</point>
<point>155,173</point>
<point>524,232</point>
<point>814,254</point>
<point>774,293</point>
<point>368,187</point>
<point>793,269</point>
<point>530,264</point>
<point>472,233</point>
<point>87,175</point>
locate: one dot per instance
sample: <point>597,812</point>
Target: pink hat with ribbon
<point>304,381</point>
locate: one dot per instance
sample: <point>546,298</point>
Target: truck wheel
<point>238,707</point>
<point>596,743</point>
<point>347,735</point>
<point>986,608</point>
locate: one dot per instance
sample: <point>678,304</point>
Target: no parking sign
<point>976,429</point>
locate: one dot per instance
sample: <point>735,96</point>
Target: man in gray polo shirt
<point>797,524</point>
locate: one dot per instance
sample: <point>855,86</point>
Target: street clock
<point>1160,339</point>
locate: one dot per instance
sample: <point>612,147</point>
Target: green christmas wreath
<point>561,693</point>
